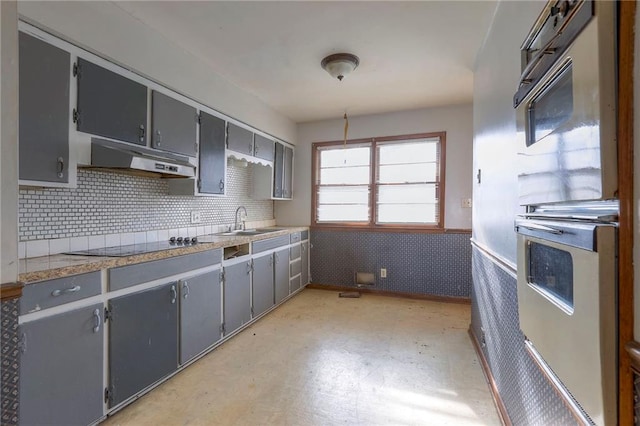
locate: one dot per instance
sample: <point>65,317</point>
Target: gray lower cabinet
<point>239,139</point>
<point>200,313</point>
<point>213,156</point>
<point>237,296</point>
<point>44,111</point>
<point>143,340</point>
<point>61,368</point>
<point>304,256</point>
<point>174,125</point>
<point>263,290</point>
<point>281,274</point>
<point>110,104</point>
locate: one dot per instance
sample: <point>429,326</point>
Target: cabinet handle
<point>60,167</point>
<point>249,268</point>
<point>255,150</point>
<point>250,148</point>
<point>174,294</point>
<point>221,184</point>
<point>141,132</point>
<point>60,292</point>
<point>276,257</point>
<point>185,286</point>
<point>270,260</point>
<point>158,137</point>
<point>96,315</point>
<point>303,248</point>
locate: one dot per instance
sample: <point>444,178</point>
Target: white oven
<point>567,306</point>
<point>565,105</point>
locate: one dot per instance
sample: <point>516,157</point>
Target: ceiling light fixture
<point>340,64</point>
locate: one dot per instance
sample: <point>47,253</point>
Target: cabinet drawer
<point>296,268</point>
<point>294,284</point>
<point>295,237</point>
<point>130,275</point>
<point>304,235</point>
<point>294,252</point>
<point>271,243</point>
<point>56,292</point>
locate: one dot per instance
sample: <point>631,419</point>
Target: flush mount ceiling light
<point>340,64</point>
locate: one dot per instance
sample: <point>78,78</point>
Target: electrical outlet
<point>466,203</point>
<point>195,216</point>
<point>383,273</point>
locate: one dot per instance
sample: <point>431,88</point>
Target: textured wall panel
<point>525,391</point>
<point>109,203</point>
<point>431,264</point>
<point>10,362</point>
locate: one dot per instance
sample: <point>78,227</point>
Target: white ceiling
<point>412,54</point>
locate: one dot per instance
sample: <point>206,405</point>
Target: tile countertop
<point>62,265</point>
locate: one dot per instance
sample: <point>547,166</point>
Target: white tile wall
<point>107,203</point>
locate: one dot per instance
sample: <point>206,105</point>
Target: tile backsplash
<point>105,205</point>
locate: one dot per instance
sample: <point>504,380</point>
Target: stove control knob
<point>194,240</point>
<point>172,240</point>
<point>186,240</point>
<point>179,240</point>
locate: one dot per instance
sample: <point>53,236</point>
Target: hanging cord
<point>346,130</point>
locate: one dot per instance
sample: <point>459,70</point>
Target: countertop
<point>61,265</point>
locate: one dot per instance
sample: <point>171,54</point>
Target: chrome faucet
<point>242,218</point>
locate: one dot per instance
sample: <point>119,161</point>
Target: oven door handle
<point>543,228</point>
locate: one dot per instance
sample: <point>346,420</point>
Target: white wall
<point>8,142</point>
<point>457,121</point>
<point>107,30</point>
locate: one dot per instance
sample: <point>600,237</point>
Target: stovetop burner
<point>133,249</point>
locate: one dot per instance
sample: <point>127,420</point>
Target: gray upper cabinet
<point>174,125</point>
<point>200,313</point>
<point>110,105</point>
<point>143,340</point>
<point>263,297</point>
<point>263,148</point>
<point>278,171</point>
<point>240,139</point>
<point>44,111</point>
<point>61,368</point>
<point>212,154</point>
<point>237,296</point>
<point>287,186</point>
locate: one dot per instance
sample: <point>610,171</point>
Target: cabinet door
<point>111,105</point>
<point>263,148</point>
<point>240,139</point>
<point>278,171</point>
<point>262,284</point>
<point>237,296</point>
<point>200,313</point>
<point>281,274</point>
<point>304,256</point>
<point>288,173</point>
<point>213,158</point>
<point>61,368</point>
<point>143,340</point>
<point>43,111</point>
<point>173,125</point>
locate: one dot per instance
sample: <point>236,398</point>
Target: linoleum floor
<point>323,360</point>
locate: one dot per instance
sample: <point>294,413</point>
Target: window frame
<point>373,184</point>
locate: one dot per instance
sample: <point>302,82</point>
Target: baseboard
<point>434,298</point>
<point>497,399</point>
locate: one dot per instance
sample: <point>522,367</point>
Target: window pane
<point>401,153</point>
<point>345,176</point>
<point>341,157</point>
<point>406,194</point>
<point>407,213</point>
<point>343,195</point>
<point>401,173</point>
<point>343,213</point>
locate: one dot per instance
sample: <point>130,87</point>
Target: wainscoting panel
<point>526,393</point>
<point>426,264</point>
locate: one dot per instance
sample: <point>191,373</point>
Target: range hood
<point>123,157</point>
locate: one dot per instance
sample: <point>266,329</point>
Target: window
<point>378,183</point>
